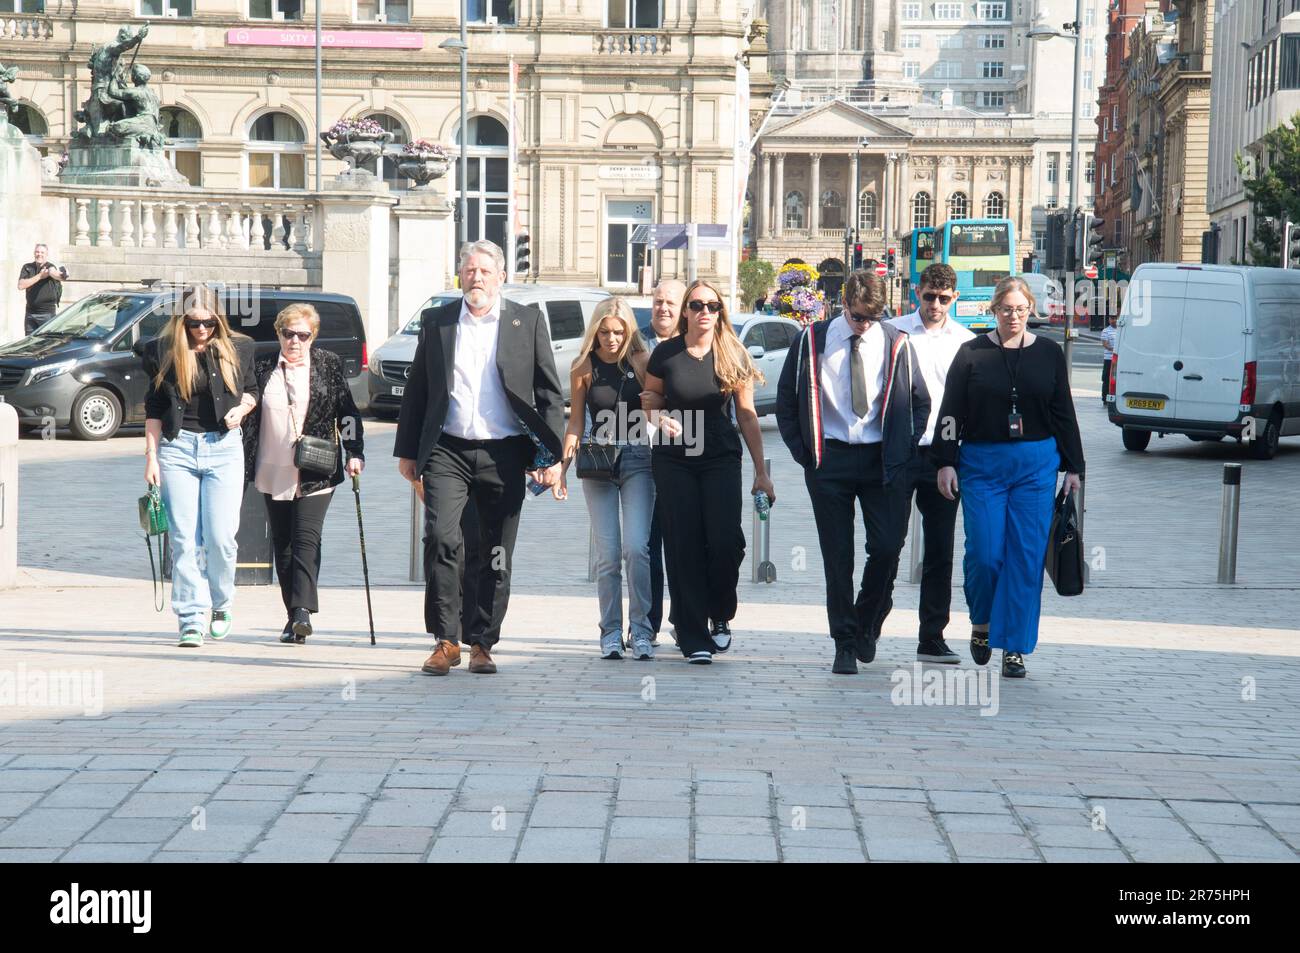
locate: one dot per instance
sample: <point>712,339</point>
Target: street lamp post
<point>1071,31</point>
<point>462,46</point>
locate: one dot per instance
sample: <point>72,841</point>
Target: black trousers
<point>295,533</point>
<point>938,528</point>
<point>491,472</point>
<point>703,542</point>
<point>849,473</point>
<point>33,321</point>
<point>1105,378</point>
<point>656,614</point>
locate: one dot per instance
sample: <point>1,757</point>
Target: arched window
<point>388,165</point>
<point>183,134</point>
<point>276,157</point>
<point>29,121</point>
<point>921,210</point>
<point>995,206</point>
<point>958,207</point>
<point>832,209</point>
<point>794,209</point>
<point>487,195</point>
<point>866,210</point>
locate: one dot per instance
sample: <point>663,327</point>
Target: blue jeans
<point>626,542</point>
<point>203,488</point>
<point>1007,490</point>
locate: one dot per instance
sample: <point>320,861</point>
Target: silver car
<point>1049,296</point>
<point>567,311</point>
<point>768,337</point>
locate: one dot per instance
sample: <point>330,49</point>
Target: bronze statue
<point>103,107</point>
<point>143,121</point>
<point>7,103</point>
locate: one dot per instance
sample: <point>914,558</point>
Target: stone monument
<point>121,138</point>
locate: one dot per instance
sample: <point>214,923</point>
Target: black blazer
<point>164,403</point>
<point>331,415</point>
<point>524,361</point>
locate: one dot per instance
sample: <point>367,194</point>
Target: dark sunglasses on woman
<point>698,306</point>
<point>303,336</point>
<point>195,323</point>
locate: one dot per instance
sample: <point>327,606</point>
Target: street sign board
<point>1090,272</point>
<point>708,237</point>
<point>881,269</point>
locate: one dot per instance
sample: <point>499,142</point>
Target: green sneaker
<point>221,624</point>
<point>191,639</point>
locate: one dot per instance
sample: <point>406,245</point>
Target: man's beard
<point>477,297</point>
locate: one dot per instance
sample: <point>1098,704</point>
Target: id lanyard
<point>1015,423</point>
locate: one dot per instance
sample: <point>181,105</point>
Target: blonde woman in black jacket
<point>304,393</point>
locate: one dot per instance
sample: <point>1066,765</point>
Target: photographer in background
<point>43,282</point>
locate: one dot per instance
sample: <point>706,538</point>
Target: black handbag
<point>313,454</point>
<point>599,461</point>
<point>1065,547</point>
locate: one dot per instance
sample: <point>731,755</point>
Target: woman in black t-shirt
<point>1007,425</point>
<point>690,382</point>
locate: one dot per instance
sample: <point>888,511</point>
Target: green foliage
<point>1275,191</point>
<point>755,277</point>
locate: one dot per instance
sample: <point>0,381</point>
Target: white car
<point>768,337</point>
<point>1049,297</point>
<point>567,310</point>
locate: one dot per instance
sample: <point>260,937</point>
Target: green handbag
<point>153,520</point>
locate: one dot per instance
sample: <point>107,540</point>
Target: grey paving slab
<point>472,850</point>
<point>561,845</point>
<point>819,855</point>
<point>734,847</point>
<point>638,850</point>
<point>109,854</point>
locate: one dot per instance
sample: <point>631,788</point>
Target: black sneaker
<point>721,636</point>
<point>301,621</point>
<point>846,662</point>
<point>1013,665</point>
<point>980,652</point>
<point>936,650</point>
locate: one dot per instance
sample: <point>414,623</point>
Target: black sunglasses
<point>931,296</point>
<point>863,317</point>
<point>698,306</point>
<point>195,323</point>
<point>288,335</point>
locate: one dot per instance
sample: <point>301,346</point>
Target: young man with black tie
<point>936,337</point>
<point>851,410</point>
<point>482,410</point>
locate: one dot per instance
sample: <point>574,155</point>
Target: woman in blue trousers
<point>1005,428</point>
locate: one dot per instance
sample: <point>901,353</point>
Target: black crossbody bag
<point>598,459</point>
<point>313,454</point>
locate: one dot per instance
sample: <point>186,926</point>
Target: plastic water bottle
<point>762,504</point>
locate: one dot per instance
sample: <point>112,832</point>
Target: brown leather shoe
<point>444,656</point>
<point>480,662</point>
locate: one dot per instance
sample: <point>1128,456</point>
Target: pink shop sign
<point>338,39</point>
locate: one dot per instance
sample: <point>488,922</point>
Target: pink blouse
<point>276,475</point>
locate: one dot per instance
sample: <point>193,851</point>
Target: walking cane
<point>365,568</point>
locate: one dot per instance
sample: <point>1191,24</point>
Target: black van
<point>78,369</point>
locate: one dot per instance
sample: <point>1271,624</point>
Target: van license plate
<point>398,391</point>
<point>1145,403</point>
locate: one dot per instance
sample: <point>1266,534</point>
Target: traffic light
<point>1072,241</point>
<point>1291,246</point>
<point>1091,239</point>
<point>521,254</point>
<point>1055,241</point>
<point>892,262</point>
<point>857,256</point>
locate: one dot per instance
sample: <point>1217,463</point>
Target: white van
<point>1209,351</point>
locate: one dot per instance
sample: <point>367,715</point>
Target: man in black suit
<point>482,408</point>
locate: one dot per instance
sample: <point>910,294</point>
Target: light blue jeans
<point>203,488</point>
<point>626,541</point>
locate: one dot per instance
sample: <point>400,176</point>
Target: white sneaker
<point>611,646</point>
<point>643,650</point>
<point>701,658</point>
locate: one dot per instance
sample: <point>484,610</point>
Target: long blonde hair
<point>732,365</point>
<point>614,307</point>
<point>178,353</point>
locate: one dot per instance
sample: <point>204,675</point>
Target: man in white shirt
<point>936,336</point>
<point>850,409</point>
<point>482,407</point>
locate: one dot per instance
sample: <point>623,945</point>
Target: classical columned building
<point>843,170</point>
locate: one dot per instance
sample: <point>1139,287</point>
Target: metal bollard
<point>416,572</point>
<point>917,545</point>
<point>1228,523</point>
<point>764,570</point>
<point>591,554</point>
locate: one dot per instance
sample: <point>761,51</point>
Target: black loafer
<point>936,650</point>
<point>1013,665</point>
<point>980,652</point>
<point>846,662</point>
<point>287,636</point>
<point>301,625</point>
<point>864,646</point>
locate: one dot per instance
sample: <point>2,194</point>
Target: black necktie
<point>861,406</point>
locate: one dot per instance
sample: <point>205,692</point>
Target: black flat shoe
<point>936,650</point>
<point>1013,665</point>
<point>287,636</point>
<point>864,647</point>
<point>980,652</point>
<point>301,623</point>
<point>846,662</point>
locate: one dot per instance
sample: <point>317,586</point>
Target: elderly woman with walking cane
<point>292,454</point>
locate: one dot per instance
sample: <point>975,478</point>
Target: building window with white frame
<point>993,41</point>
<point>832,209</point>
<point>911,11</point>
<point>992,69</point>
<point>182,135</point>
<point>631,14</point>
<point>1053,168</point>
<point>1087,79</point>
<point>500,12</point>
<point>921,210</point>
<point>178,9</point>
<point>958,206</point>
<point>382,11</point>
<point>1090,17</point>
<point>995,205</point>
<point>275,154</point>
<point>487,197</point>
<point>1088,110</point>
<point>953,41</point>
<point>911,41</point>
<point>991,11</point>
<point>948,11</point>
<point>275,9</point>
<point>947,69</point>
<point>992,99</point>
<point>911,69</point>
<point>866,210</point>
<point>794,209</point>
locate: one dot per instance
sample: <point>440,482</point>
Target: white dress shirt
<point>935,349</point>
<point>479,408</point>
<point>839,422</point>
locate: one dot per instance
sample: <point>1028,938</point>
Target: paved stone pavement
<point>1157,722</point>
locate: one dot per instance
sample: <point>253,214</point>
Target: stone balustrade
<point>191,219</point>
<point>632,43</point>
<point>25,27</point>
